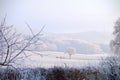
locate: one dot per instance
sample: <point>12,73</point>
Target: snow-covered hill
<point>84,42</point>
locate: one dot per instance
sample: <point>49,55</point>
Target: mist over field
<point>59,39</point>
<point>84,42</point>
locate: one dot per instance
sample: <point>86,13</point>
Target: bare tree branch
<point>12,45</point>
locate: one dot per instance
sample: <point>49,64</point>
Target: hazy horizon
<point>63,16</point>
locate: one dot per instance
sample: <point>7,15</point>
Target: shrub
<point>10,74</point>
<point>65,74</point>
<point>111,68</point>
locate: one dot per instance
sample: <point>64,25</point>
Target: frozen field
<point>50,59</point>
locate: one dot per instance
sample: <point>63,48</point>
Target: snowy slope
<point>84,43</point>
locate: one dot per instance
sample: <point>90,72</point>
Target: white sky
<point>63,16</point>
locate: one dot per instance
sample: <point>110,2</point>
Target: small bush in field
<point>56,74</point>
<point>75,74</point>
<point>23,74</point>
<point>10,74</point>
<point>111,68</point>
<point>65,74</point>
<point>93,73</point>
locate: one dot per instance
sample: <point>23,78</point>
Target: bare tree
<point>71,51</point>
<point>12,45</point>
<point>115,44</point>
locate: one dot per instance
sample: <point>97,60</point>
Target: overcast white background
<point>63,16</point>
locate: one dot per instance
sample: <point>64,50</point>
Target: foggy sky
<point>63,16</point>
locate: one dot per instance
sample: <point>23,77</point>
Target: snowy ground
<point>50,59</point>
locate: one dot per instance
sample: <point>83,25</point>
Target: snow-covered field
<point>89,50</point>
<point>49,59</point>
